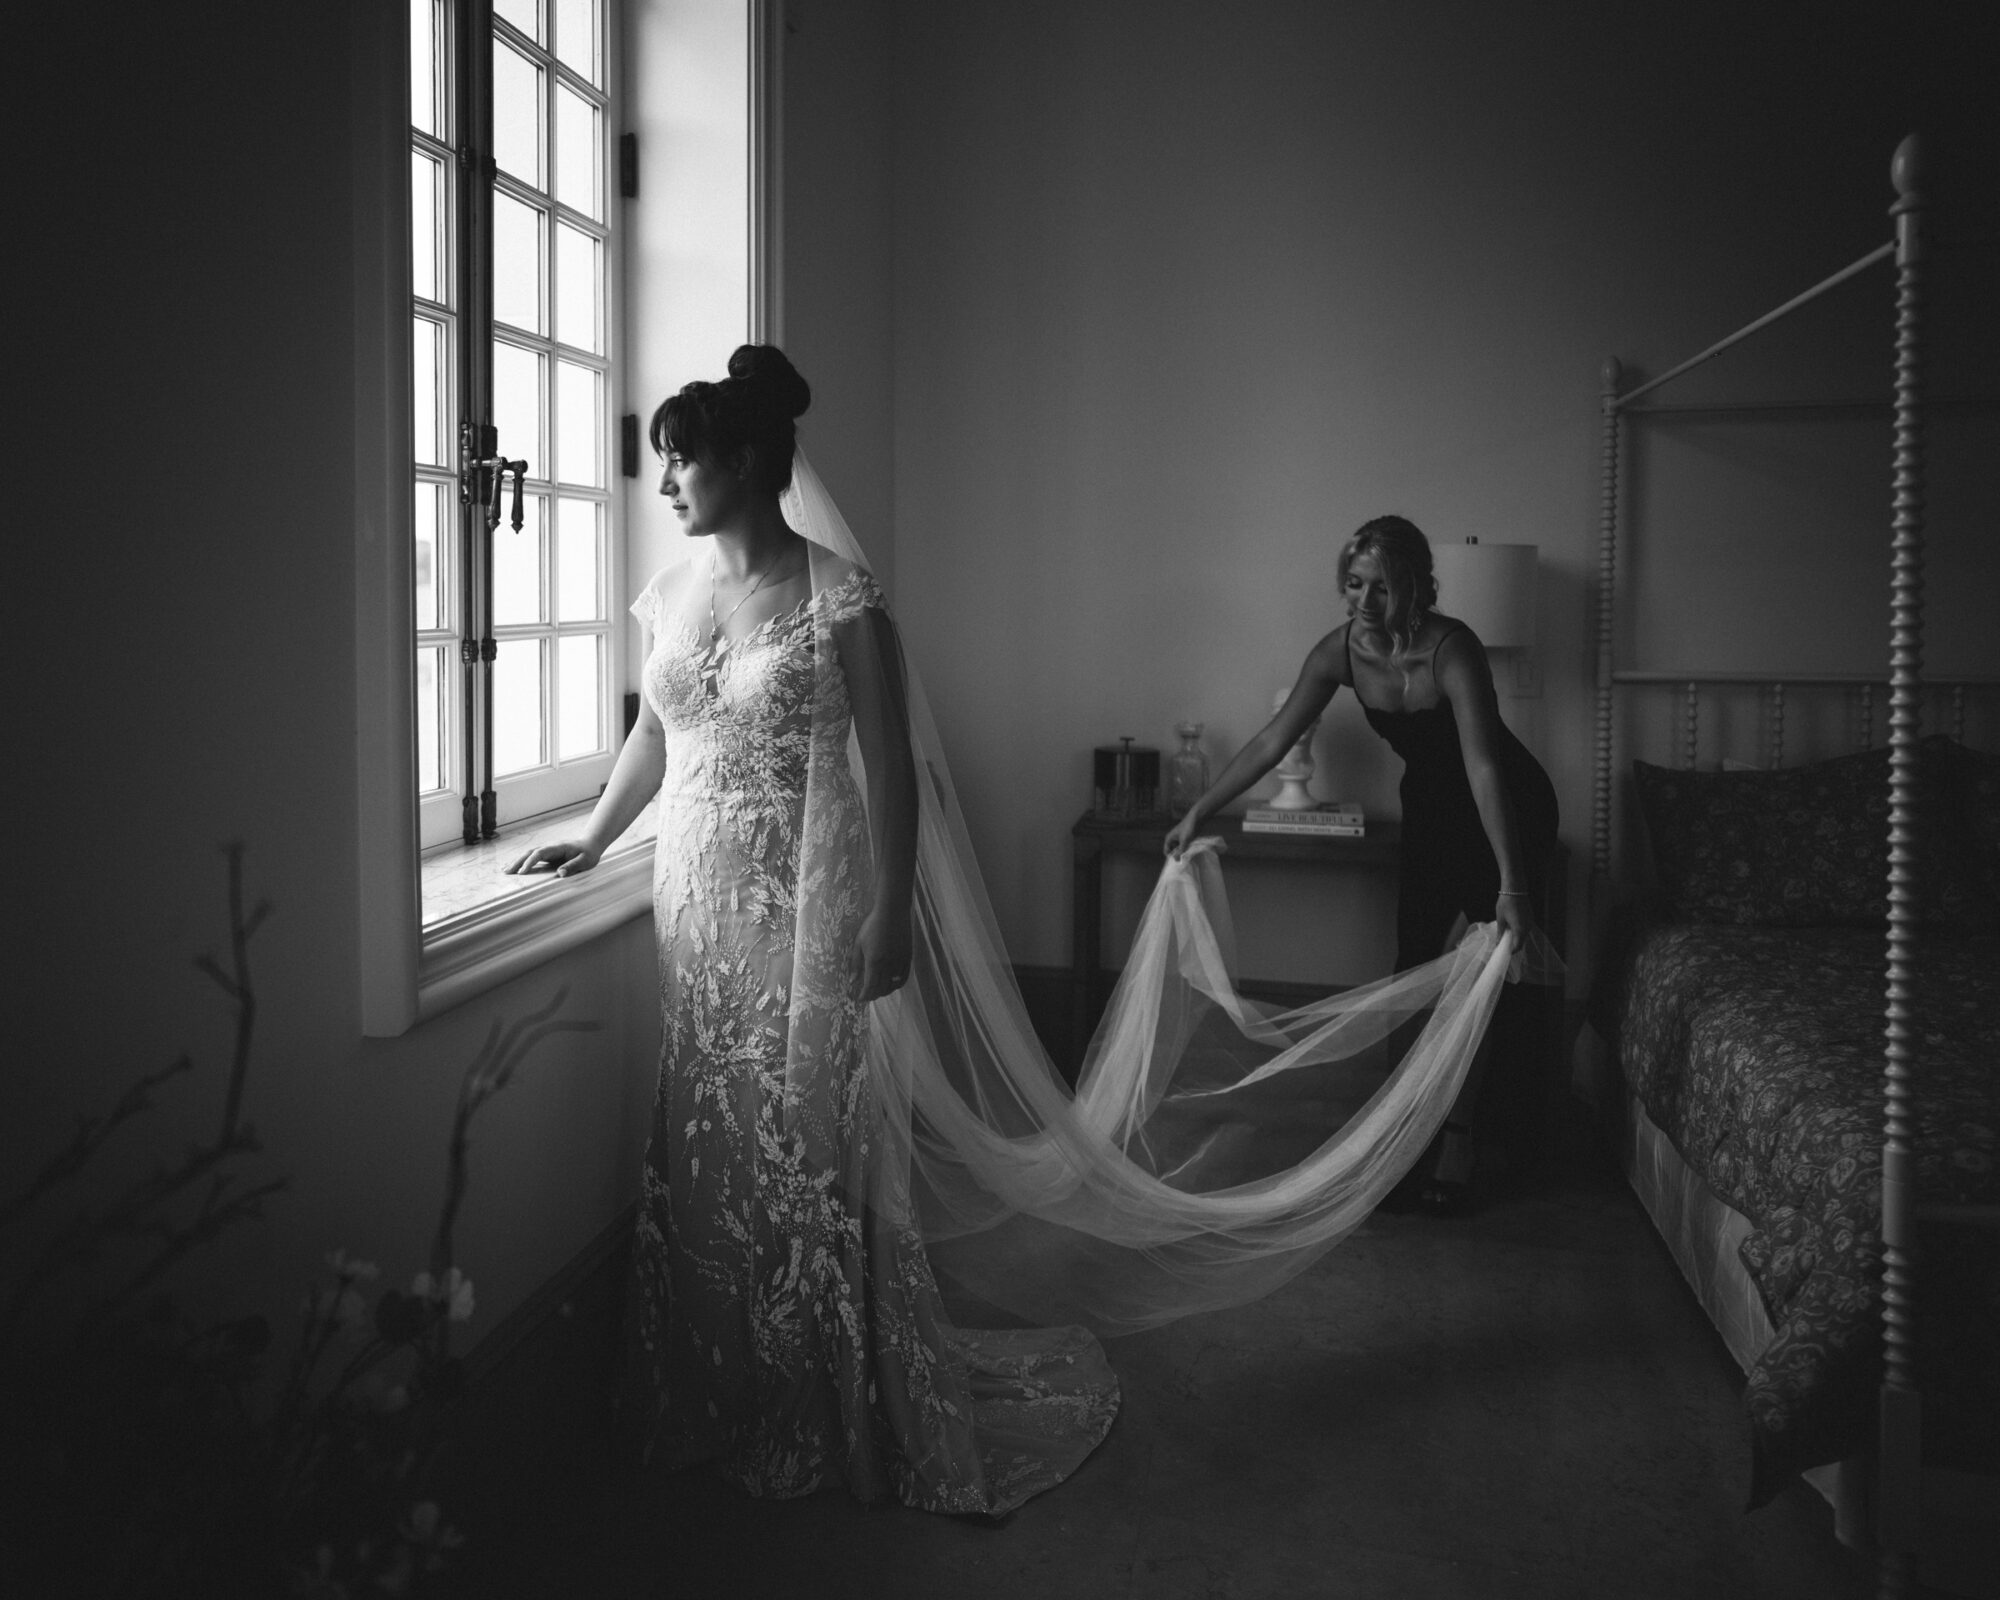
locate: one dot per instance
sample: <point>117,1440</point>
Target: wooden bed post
<point>1901,1415</point>
<point>1607,590</point>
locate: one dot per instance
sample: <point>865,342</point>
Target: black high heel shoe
<point>1447,1191</point>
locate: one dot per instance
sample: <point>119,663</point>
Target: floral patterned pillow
<point>1807,846</point>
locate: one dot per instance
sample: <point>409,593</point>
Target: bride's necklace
<point>714,626</point>
<point>711,664</point>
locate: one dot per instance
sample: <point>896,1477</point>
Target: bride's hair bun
<point>752,409</point>
<point>772,379</point>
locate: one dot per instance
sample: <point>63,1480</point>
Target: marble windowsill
<point>458,877</point>
<point>482,927</point>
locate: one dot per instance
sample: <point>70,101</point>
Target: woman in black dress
<point>1479,813</point>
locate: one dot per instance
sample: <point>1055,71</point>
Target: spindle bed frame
<point>1898,1442</point>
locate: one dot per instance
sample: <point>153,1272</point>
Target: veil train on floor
<point>1212,1146</point>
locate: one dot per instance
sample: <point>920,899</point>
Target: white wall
<point>687,298</point>
<point>1184,293</point>
<point>839,269</point>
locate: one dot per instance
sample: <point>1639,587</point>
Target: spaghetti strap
<point>1456,627</point>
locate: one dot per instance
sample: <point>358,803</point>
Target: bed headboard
<point>1830,714</point>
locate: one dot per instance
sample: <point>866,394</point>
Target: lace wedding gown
<point>784,1321</point>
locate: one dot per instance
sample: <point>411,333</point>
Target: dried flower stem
<point>491,1071</point>
<point>92,1133</point>
<point>139,1212</point>
<point>236,984</point>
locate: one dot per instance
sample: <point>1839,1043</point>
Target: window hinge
<point>628,165</point>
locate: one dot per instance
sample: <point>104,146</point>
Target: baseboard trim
<point>568,1282</point>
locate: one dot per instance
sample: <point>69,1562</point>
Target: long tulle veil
<point>1212,1146</point>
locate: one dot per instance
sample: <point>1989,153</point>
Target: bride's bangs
<point>683,426</point>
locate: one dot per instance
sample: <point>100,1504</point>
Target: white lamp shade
<point>1491,589</point>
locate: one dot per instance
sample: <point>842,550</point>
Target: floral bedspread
<point>1758,1051</point>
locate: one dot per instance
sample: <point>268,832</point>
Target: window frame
<point>408,972</point>
<point>554,781</point>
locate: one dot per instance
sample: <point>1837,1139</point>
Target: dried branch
<point>218,1211</point>
<point>238,986</point>
<point>140,1211</point>
<point>92,1133</point>
<point>136,1213</point>
<point>322,1456</point>
<point>492,1069</point>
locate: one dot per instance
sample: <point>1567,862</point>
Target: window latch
<point>482,472</point>
<point>501,467</point>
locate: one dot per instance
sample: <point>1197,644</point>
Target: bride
<point>782,1325</point>
<point>851,1101</point>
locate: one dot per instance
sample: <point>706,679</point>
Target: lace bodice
<point>740,720</point>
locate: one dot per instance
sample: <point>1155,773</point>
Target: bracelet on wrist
<point>1518,894</point>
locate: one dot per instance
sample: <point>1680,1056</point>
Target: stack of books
<point>1331,819</point>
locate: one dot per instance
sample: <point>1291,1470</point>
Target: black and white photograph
<point>1013,799</point>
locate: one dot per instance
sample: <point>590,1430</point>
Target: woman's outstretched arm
<point>635,779</point>
<point>871,656</point>
<point>1466,680</point>
<point>1317,681</point>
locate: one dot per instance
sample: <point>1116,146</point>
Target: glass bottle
<point>1187,770</point>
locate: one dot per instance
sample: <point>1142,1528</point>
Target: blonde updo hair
<point>1404,555</point>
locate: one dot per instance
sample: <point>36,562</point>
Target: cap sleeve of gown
<point>647,606</point>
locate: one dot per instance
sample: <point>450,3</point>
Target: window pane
<point>517,263</point>
<point>428,402</point>
<point>579,675</point>
<point>517,115</point>
<point>430,720</point>
<point>517,405</point>
<point>579,585</point>
<point>576,38</point>
<point>424,199</point>
<point>576,152</point>
<point>423,67</point>
<point>577,255</point>
<point>518,671</point>
<point>524,14</point>
<point>577,424</point>
<point>429,574</point>
<point>518,594</point>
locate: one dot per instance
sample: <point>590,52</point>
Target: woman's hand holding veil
<point>1516,915</point>
<point>1182,833</point>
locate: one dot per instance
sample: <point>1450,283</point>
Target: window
<point>694,82</point>
<point>512,335</point>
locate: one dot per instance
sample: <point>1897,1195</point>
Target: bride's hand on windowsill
<point>565,858</point>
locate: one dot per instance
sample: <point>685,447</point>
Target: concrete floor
<point>1524,1403</point>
